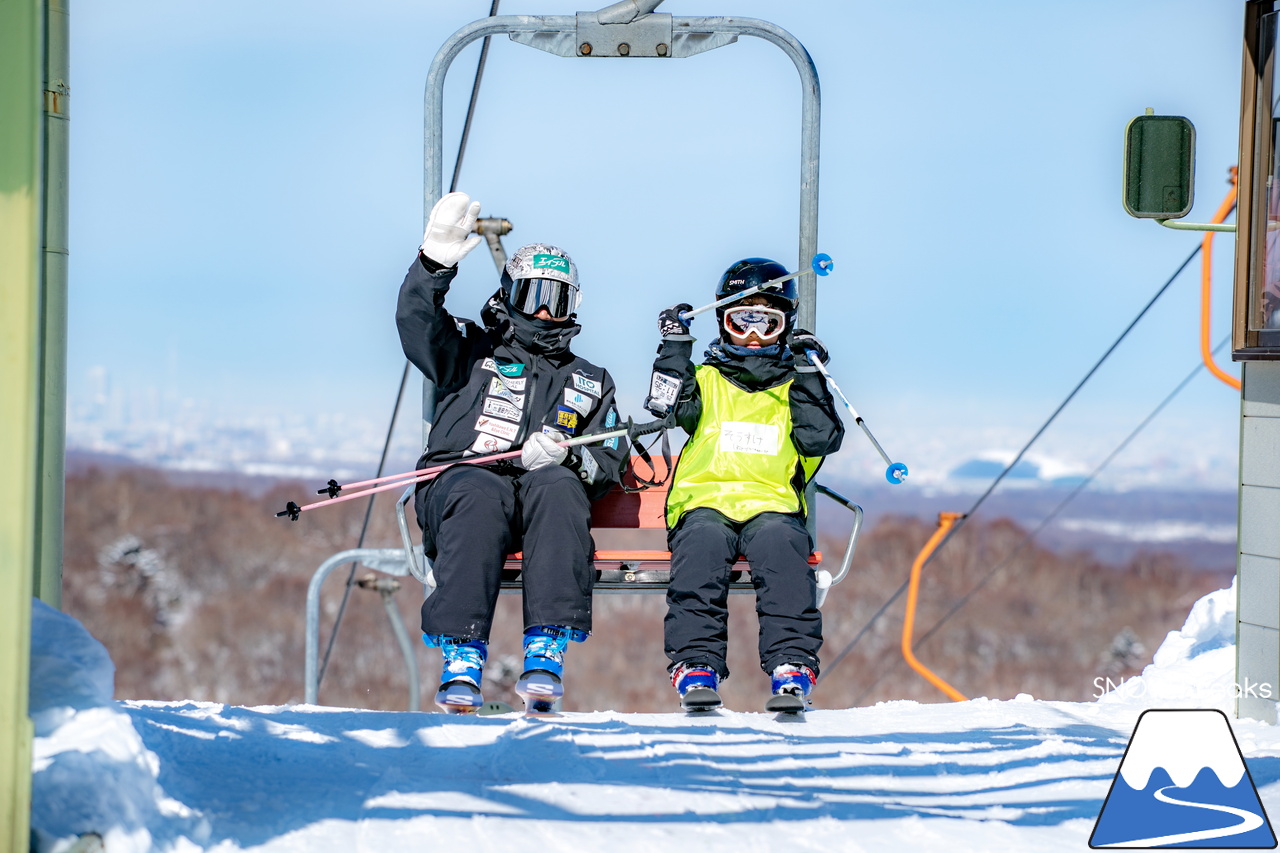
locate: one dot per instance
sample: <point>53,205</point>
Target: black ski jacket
<point>498,383</point>
<point>816,428</point>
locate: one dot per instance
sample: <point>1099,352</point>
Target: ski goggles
<point>528,295</point>
<point>767,323</point>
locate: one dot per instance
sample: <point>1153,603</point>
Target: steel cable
<point>1030,537</point>
<point>1018,458</point>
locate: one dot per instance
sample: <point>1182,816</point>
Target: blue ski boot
<point>697,684</point>
<point>791,683</point>
<point>541,686</point>
<point>463,670</point>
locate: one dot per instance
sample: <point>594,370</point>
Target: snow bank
<point>968,776</point>
<point>92,772</point>
<point>1194,667</point>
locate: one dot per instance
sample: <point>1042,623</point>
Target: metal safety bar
<point>632,577</point>
<point>389,561</point>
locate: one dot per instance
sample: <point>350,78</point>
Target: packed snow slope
<point>981,775</point>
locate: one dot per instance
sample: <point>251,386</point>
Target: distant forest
<point>198,593</point>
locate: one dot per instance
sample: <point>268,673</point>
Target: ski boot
<point>791,683</point>
<point>541,685</point>
<point>696,683</point>
<point>463,670</point>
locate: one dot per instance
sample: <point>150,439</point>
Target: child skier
<point>760,419</point>
<point>509,381</point>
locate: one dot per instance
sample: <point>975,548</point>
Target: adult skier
<point>760,419</point>
<point>509,381</point>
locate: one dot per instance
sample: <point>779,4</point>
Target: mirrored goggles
<point>528,295</point>
<point>767,323</point>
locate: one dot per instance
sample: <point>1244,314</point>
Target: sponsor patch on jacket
<point>492,365</point>
<point>567,418</point>
<point>498,389</point>
<point>490,444</point>
<point>492,426</point>
<point>610,421</point>
<point>743,437</point>
<point>501,409</point>
<point>579,402</point>
<point>587,386</point>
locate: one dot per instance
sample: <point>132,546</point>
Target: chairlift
<point>629,29</point>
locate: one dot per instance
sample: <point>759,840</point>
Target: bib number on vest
<point>743,437</point>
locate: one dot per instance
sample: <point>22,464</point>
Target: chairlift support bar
<point>626,30</point>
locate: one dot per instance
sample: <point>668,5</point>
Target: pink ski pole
<point>293,510</point>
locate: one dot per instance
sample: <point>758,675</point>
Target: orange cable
<point>945,522</point>
<point>1206,247</point>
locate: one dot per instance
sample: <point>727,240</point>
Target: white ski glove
<point>448,237</point>
<point>541,450</point>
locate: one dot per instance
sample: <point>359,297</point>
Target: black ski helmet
<point>749,272</point>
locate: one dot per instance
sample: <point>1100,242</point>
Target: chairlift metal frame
<point>630,29</point>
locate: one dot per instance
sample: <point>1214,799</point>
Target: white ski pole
<point>896,472</point>
<point>821,264</point>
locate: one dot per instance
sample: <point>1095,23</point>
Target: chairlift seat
<point>625,525</point>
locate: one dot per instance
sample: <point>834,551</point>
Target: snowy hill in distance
<point>979,775</point>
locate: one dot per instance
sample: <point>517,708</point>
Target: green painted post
<point>21,58</point>
<point>51,394</point>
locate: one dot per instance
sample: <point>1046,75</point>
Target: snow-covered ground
<point>981,775</point>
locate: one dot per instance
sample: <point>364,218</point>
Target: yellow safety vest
<point>740,459</point>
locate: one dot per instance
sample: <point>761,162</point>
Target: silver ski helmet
<point>750,272</point>
<point>540,275</point>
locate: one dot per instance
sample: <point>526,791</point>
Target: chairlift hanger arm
<point>690,35</point>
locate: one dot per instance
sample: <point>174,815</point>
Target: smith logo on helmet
<point>551,262</point>
<point>737,281</point>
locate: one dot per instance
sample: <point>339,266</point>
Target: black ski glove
<point>671,327</point>
<point>801,343</point>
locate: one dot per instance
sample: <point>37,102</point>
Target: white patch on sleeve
<point>664,389</point>
<point>743,437</point>
<point>589,467</point>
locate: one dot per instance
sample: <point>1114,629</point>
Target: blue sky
<point>246,192</point>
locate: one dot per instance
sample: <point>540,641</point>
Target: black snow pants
<point>476,517</point>
<point>704,546</point>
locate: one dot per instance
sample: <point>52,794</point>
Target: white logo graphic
<point>580,403</point>
<point>489,444</point>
